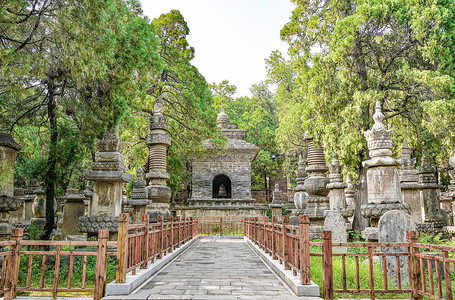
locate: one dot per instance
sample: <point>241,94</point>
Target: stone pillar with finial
<point>300,196</point>
<point>433,219</point>
<point>349,193</point>
<point>383,180</point>
<point>337,195</point>
<point>8,149</point>
<point>157,142</point>
<point>108,173</point>
<point>410,187</point>
<point>277,204</point>
<point>138,200</point>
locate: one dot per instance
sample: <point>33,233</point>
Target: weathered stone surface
<point>94,223</point>
<point>8,202</point>
<point>335,222</point>
<point>392,228</point>
<point>301,200</point>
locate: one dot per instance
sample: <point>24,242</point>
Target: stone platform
<point>227,212</point>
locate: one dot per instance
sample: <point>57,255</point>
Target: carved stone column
<point>410,188</point>
<point>8,149</point>
<point>300,196</point>
<point>157,142</point>
<point>337,195</point>
<point>277,204</point>
<point>433,219</point>
<point>383,181</point>
<point>108,175</point>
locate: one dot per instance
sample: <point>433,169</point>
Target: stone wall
<point>228,214</point>
<point>237,170</point>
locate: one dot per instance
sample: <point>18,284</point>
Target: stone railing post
<point>327,268</point>
<point>304,255</point>
<point>145,250</point>
<point>101,265</point>
<point>414,264</point>
<point>122,248</point>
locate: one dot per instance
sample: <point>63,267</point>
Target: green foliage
<point>346,55</point>
<point>34,232</point>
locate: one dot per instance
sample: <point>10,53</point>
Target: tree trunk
<point>50,178</point>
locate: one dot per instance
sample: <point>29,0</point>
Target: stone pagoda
<point>316,187</point>
<point>138,202</point>
<point>221,183</point>
<point>108,175</point>
<point>383,180</point>
<point>8,149</point>
<point>158,140</point>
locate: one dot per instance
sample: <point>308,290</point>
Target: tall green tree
<point>70,69</point>
<point>187,101</point>
<point>346,55</point>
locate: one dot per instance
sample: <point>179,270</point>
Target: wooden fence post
<point>274,239</point>
<point>170,220</point>
<point>284,243</point>
<point>12,275</point>
<point>145,251</point>
<point>101,265</point>
<point>160,220</point>
<point>304,246</point>
<point>195,227</point>
<point>122,248</point>
<point>221,226</point>
<point>265,236</point>
<point>414,264</point>
<point>327,264</point>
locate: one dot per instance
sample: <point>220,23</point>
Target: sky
<point>232,38</point>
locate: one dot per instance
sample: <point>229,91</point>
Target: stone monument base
<point>158,209</point>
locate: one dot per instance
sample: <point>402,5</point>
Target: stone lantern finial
<point>222,116</point>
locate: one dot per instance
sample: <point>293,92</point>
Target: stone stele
<point>336,223</point>
<point>392,228</point>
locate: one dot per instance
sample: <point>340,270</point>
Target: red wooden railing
<point>221,227</point>
<point>291,245</point>
<point>137,244</point>
<point>9,283</point>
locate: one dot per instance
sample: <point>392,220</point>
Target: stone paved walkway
<point>216,268</point>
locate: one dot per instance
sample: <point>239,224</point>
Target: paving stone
<point>216,267</point>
